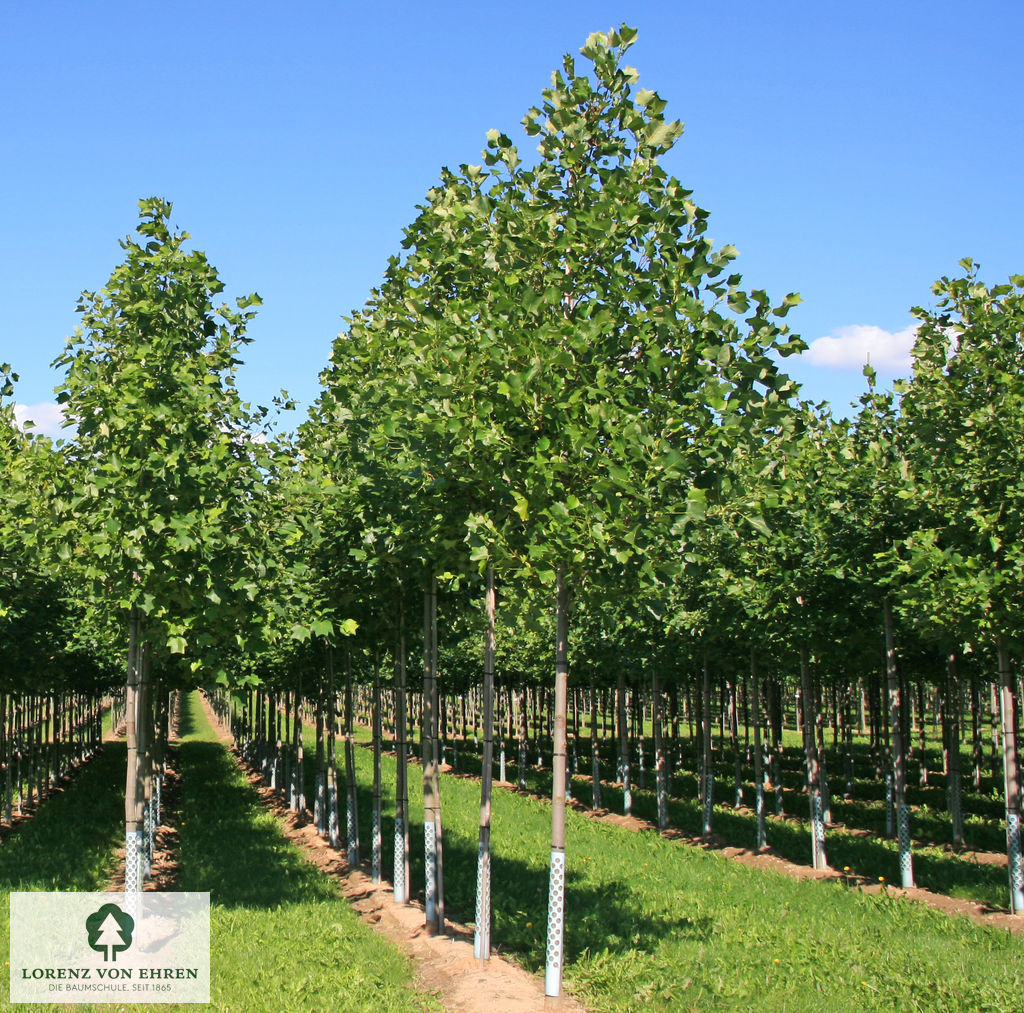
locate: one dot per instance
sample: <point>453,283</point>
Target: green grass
<point>654,924</point>
<point>936,866</point>
<point>282,939</point>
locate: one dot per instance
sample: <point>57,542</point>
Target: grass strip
<point>674,928</point>
<point>282,938</point>
<point>936,867</point>
<point>70,841</point>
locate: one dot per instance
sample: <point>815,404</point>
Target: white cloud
<point>851,347</point>
<point>46,416</point>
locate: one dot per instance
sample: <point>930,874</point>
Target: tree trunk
<point>921,730</point>
<point>377,844</point>
<point>951,734</point>
<point>401,873</point>
<point>755,685</point>
<point>707,761</point>
<point>660,768</point>
<point>556,886</point>
<point>431,787</point>
<point>482,932</point>
<point>351,785</point>
<point>1011,776</point>
<point>595,758</point>
<point>734,743</point>
<point>624,764</point>
<point>976,747</point>
<point>818,857</point>
<point>133,816</point>
<point>428,757</point>
<point>898,760</point>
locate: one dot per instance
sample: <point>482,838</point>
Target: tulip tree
<point>574,367</point>
<point>965,411</point>
<point>160,487</point>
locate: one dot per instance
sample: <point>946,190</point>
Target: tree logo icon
<point>110,931</point>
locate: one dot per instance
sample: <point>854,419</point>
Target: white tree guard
<point>376,848</point>
<point>430,870</point>
<point>709,801</point>
<point>482,932</point>
<point>818,857</point>
<point>556,925</point>
<point>134,850</point>
<point>351,840</point>
<point>147,838</point>
<point>332,815</point>
<point>906,856</point>
<point>661,780</point>
<point>1015,863</point>
<point>400,895</point>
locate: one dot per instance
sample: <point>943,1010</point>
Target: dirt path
<point>445,965</point>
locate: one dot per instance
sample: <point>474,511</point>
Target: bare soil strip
<point>445,965</point>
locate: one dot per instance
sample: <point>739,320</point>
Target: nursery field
<point>859,841</point>
<point>651,922</point>
<point>267,902</point>
<point>555,483</point>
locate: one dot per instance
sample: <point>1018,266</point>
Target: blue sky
<point>853,153</point>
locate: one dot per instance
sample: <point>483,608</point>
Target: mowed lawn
<point>282,939</point>
<point>655,924</point>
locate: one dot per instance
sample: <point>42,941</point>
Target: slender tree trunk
<point>1011,776</point>
<point>951,729</point>
<point>556,887</point>
<point>431,788</point>
<point>707,764</point>
<point>624,759</point>
<point>775,697</point>
<point>922,732</point>
<point>755,685</point>
<point>134,846</point>
<point>638,711</point>
<point>401,874</point>
<point>351,784</point>
<point>595,757</point>
<point>734,742</point>
<point>428,759</point>
<point>818,857</point>
<point>482,932</point>
<point>898,760</point>
<point>523,726</point>
<point>377,844</point>
<point>320,797</point>
<point>331,759</point>
<point>976,746</point>
<point>660,767</point>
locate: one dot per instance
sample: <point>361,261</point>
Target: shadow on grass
<point>868,857</point>
<point>69,842</point>
<point>610,912</point>
<point>228,843</point>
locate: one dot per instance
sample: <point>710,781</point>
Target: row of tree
<point>561,394</point>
